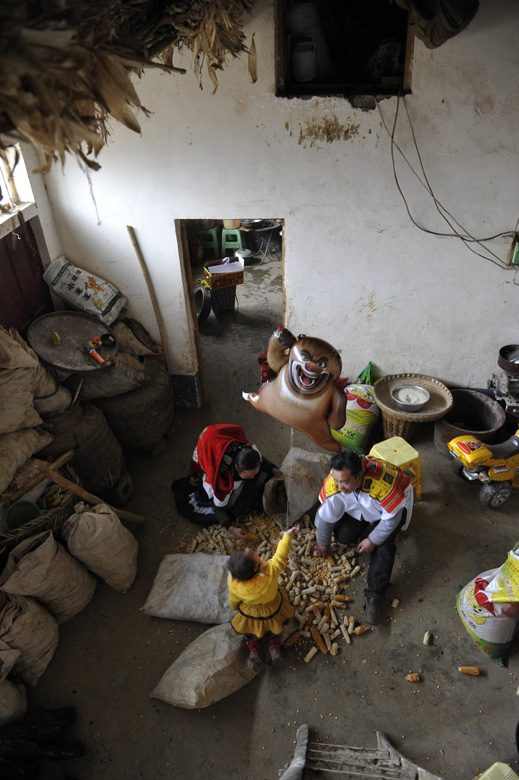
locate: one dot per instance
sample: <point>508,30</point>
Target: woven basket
<point>51,521</point>
<point>223,300</point>
<point>395,422</point>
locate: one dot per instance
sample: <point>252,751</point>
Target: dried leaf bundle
<point>65,65</point>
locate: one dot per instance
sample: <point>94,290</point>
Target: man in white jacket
<point>370,500</point>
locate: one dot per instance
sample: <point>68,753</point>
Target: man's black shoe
<point>372,611</point>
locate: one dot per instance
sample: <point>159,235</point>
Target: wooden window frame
<point>287,88</point>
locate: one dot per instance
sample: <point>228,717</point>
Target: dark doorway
<point>24,295</point>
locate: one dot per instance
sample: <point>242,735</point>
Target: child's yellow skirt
<point>258,619</point>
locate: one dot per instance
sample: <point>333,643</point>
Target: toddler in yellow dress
<point>262,606</point>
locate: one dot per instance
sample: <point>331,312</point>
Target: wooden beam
<point>90,497</point>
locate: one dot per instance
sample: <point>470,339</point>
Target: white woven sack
<point>13,698</point>
<point>41,567</point>
<point>28,627</point>
<point>98,539</point>
<point>96,296</point>
<point>191,587</point>
<point>303,474</point>
<point>210,668</point>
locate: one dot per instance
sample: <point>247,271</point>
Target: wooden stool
<point>399,453</point>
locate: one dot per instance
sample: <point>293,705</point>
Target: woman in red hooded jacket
<point>228,475</point>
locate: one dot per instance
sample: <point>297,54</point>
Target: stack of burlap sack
<point>45,583</point>
<point>27,390</point>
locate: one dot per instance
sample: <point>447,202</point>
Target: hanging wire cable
<point>466,237</point>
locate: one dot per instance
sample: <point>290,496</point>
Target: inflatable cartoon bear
<point>305,393</point>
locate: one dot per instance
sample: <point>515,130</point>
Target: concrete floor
<point>112,655</point>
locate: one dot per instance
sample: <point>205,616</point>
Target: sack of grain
<point>97,538</point>
<point>28,627</point>
<point>84,291</point>
<point>13,698</point>
<point>489,608</point>
<point>191,587</point>
<point>41,567</point>
<point>15,448</point>
<point>212,667</point>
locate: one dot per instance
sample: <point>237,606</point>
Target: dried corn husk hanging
<point>65,71</point>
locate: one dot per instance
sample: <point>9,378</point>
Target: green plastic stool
<point>210,238</point>
<point>231,239</point>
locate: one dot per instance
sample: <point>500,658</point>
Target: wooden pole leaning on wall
<point>151,291</point>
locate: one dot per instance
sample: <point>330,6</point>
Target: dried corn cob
<point>427,638</point>
<point>315,606</point>
<point>334,648</point>
<point>413,677</point>
<point>331,560</point>
<point>323,622</point>
<point>292,639</point>
<point>327,641</point>
<point>308,657</point>
<point>345,634</point>
<point>351,624</point>
<point>318,639</point>
<point>473,670</point>
<point>361,630</point>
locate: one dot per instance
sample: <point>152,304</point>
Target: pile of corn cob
<point>314,585</point>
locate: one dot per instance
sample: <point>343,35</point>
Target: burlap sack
<point>41,567</point>
<point>191,587</point>
<point>15,448</point>
<point>13,698</point>
<point>98,539</point>
<point>210,668</point>
<point>28,627</point>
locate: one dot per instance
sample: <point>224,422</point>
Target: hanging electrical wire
<point>465,236</point>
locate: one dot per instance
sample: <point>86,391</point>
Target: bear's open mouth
<point>306,380</point>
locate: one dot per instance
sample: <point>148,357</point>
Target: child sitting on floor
<point>262,605</point>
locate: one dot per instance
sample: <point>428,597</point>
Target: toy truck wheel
<point>495,495</point>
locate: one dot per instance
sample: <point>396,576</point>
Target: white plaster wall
<point>358,273</point>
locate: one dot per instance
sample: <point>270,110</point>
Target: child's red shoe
<point>274,646</point>
<point>255,653</point>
